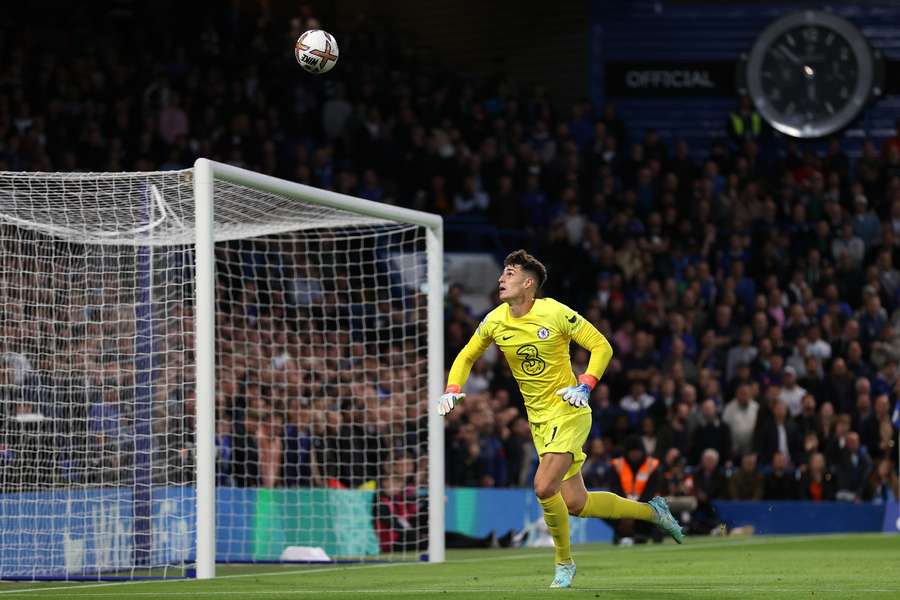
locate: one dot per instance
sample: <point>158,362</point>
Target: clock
<point>810,73</point>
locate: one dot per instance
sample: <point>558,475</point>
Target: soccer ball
<point>316,51</point>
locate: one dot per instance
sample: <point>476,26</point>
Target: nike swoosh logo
<point>572,319</point>
<point>507,337</point>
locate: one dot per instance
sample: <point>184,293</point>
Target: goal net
<point>182,386</point>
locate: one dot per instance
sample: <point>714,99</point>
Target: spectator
<point>471,200</point>
<point>299,449</point>
<point>817,484</point>
<point>648,435</point>
<point>746,483</point>
<point>709,484</point>
<point>791,393</point>
<point>711,434</point>
<point>637,404</point>
<point>491,455</point>
<point>837,440</point>
<point>818,347</point>
<point>838,386</point>
<point>873,318</point>
<point>778,435</point>
<point>779,482</point>
<point>596,466</point>
<point>806,421</point>
<point>224,452</point>
<point>269,443</point>
<point>888,275</point>
<point>464,467</point>
<point>852,470</point>
<point>173,121</point>
<point>674,434</point>
<point>886,348</point>
<point>335,112</point>
<point>638,477</point>
<point>520,452</point>
<point>862,411</point>
<point>397,515</point>
<point>740,417</point>
<point>810,445</point>
<point>743,353</point>
<point>882,486</point>
<point>864,222</point>
<point>855,362</point>
<point>744,123</point>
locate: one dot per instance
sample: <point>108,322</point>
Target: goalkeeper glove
<point>452,396</point>
<point>579,395</point>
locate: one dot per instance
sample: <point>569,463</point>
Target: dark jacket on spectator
<point>710,435</point>
<point>780,486</point>
<point>870,436</point>
<point>710,486</point>
<point>245,469</point>
<point>851,473</point>
<point>767,441</point>
<point>817,491</point>
<point>746,486</point>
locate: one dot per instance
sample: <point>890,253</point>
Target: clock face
<point>810,73</point>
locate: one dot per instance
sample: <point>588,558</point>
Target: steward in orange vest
<point>635,475</point>
<point>638,477</point>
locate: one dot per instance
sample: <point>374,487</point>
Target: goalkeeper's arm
<point>459,372</point>
<point>601,351</point>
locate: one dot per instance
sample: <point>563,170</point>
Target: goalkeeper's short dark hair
<point>529,264</point>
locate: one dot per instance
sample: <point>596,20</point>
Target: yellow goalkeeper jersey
<point>536,346</point>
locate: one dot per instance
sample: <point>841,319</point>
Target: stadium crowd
<point>752,298</point>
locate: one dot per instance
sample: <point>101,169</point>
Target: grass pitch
<point>845,566</point>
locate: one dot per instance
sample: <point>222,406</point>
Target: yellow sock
<point>610,506</point>
<point>556,515</point>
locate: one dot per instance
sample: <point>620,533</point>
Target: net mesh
<point>320,377</point>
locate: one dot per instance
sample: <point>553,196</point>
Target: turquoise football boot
<point>664,519</point>
<point>565,573</point>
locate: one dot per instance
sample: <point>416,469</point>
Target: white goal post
<point>213,365</point>
<point>206,172</point>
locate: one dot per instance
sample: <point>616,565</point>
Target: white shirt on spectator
<point>574,224</point>
<point>854,247</point>
<point>792,398</point>
<point>820,349</point>
<point>19,364</point>
<point>783,442</point>
<point>477,201</point>
<point>741,420</point>
<point>631,403</point>
<point>737,355</point>
<point>307,291</point>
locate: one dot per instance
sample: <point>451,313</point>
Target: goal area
<point>212,365</point>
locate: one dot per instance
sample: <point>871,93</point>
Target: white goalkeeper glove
<point>579,395</point>
<point>452,396</point>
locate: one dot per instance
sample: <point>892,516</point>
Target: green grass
<point>845,566</point>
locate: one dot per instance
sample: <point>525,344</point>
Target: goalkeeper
<point>534,336</point>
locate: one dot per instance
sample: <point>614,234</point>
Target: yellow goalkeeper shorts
<point>563,434</point>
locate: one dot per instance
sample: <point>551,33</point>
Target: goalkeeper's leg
<point>547,481</point>
<point>606,505</point>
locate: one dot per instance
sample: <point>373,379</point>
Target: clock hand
<point>791,56</point>
<point>811,89</point>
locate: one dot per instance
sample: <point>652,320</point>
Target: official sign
<point>670,79</point>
